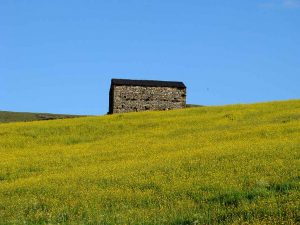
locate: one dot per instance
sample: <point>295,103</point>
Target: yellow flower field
<point>209,165</point>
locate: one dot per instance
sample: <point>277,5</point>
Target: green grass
<point>209,165</point>
<point>6,116</point>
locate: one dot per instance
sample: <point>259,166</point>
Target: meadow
<point>230,164</point>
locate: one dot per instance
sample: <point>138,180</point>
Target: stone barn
<point>140,95</point>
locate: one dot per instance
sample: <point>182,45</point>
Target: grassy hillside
<point>6,116</point>
<point>206,165</point>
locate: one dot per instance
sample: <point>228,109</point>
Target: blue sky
<point>59,56</point>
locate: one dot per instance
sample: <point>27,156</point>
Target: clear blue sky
<point>59,56</point>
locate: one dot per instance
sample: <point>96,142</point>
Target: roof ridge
<point>147,83</point>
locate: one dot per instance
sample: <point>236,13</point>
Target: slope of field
<point>206,165</point>
<point>6,116</point>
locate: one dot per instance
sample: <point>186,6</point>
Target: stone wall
<point>139,98</point>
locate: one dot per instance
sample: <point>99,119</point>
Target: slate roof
<point>147,83</point>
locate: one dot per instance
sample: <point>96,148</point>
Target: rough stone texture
<point>124,98</point>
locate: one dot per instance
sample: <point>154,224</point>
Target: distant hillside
<point>236,164</point>
<point>6,116</point>
<point>193,105</point>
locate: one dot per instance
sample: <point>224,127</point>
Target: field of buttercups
<point>211,165</point>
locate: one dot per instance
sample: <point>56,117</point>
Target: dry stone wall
<point>139,98</point>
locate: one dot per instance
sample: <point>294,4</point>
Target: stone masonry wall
<point>139,98</point>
